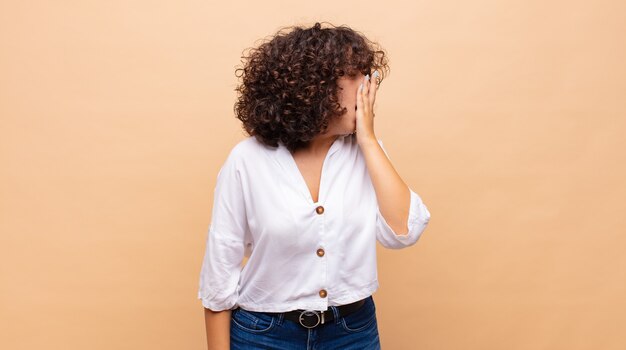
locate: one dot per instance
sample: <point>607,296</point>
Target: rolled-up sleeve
<point>225,245</point>
<point>418,219</point>
<point>417,222</point>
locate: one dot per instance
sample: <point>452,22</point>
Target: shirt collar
<point>288,164</point>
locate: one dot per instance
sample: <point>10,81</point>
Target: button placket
<point>323,293</point>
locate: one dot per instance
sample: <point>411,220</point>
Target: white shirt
<point>299,256</point>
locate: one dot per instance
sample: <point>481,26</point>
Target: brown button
<point>323,293</point>
<point>319,210</point>
<point>320,252</point>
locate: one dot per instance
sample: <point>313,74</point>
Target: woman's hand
<point>365,97</point>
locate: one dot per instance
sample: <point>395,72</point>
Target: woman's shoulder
<point>248,149</point>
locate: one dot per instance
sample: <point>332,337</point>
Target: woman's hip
<point>340,327</point>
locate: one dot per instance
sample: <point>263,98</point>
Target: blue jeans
<point>251,330</point>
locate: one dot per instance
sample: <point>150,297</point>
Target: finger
<point>365,92</point>
<point>372,95</point>
<point>359,98</point>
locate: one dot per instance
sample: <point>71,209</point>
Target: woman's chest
<point>279,202</point>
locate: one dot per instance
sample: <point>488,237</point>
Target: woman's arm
<point>224,253</point>
<point>217,329</point>
<point>393,195</point>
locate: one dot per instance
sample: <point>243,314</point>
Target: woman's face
<point>349,87</point>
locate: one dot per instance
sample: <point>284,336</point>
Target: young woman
<point>305,197</point>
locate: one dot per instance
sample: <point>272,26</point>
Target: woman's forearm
<point>392,193</point>
<point>217,329</point>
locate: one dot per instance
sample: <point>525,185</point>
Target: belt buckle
<point>310,313</point>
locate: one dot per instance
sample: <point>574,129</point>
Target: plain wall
<point>507,117</point>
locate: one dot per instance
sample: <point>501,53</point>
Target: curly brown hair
<point>289,90</point>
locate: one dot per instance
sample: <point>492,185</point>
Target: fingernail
<point>361,86</point>
<point>367,77</point>
<point>375,75</point>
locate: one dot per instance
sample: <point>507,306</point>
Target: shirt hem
<point>340,298</point>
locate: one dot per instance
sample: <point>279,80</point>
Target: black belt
<point>313,318</point>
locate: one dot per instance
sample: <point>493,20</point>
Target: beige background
<point>507,117</point>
